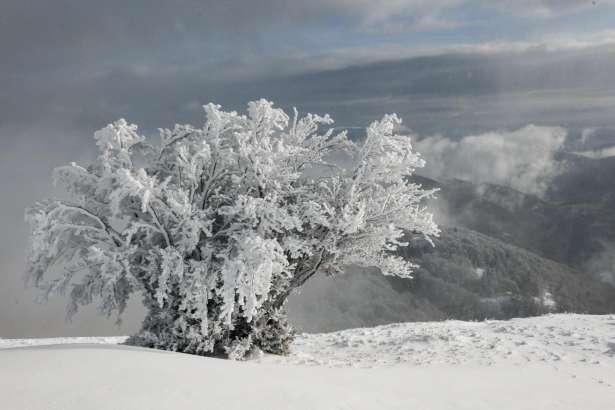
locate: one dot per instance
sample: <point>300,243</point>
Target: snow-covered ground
<point>550,362</point>
<point>552,339</point>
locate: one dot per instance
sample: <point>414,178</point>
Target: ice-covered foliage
<point>215,226</point>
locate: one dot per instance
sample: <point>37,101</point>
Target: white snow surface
<point>550,362</point>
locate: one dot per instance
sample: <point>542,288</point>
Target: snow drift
<point>556,361</point>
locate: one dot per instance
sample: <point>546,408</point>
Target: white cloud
<point>595,143</point>
<point>598,153</point>
<point>548,8</point>
<point>602,264</point>
<point>398,15</point>
<point>522,159</point>
<point>381,15</point>
<point>341,57</point>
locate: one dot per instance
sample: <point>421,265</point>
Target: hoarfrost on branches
<point>216,226</point>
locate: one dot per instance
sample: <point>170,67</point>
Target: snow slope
<point>555,339</point>
<point>550,362</point>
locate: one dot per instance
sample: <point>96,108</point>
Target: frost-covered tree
<point>216,226</point>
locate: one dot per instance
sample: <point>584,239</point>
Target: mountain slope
<point>467,275</point>
<point>567,232</point>
<point>585,180</point>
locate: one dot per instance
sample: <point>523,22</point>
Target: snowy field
<point>550,362</point>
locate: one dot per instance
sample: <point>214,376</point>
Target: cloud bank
<point>522,159</point>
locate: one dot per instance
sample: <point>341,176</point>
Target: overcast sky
<point>450,67</point>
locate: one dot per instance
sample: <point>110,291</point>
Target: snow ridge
<point>551,339</point>
<point>49,341</point>
<point>554,338</point>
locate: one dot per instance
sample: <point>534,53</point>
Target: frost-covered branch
<point>216,226</point>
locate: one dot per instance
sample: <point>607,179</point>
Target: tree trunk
<point>302,275</point>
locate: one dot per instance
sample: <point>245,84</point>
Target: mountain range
<point>502,253</point>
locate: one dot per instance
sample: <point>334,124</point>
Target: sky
<point>459,71</point>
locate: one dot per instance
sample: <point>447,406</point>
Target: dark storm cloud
<point>51,49</point>
<point>355,94</point>
<point>89,32</point>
